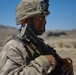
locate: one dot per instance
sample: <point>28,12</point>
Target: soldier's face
<point>39,23</point>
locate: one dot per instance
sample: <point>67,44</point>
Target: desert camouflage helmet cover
<point>29,8</point>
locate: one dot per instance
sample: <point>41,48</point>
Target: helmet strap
<point>32,25</point>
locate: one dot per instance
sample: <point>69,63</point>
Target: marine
<point>21,56</point>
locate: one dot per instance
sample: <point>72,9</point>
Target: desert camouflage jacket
<point>16,60</point>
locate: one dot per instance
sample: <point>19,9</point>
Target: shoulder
<point>13,43</point>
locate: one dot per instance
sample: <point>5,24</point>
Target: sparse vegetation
<point>60,44</point>
<point>56,34</point>
<point>67,46</point>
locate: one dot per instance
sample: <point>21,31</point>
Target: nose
<point>43,22</point>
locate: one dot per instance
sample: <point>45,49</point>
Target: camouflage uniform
<point>16,60</point>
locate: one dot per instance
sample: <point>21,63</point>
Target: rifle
<point>28,33</point>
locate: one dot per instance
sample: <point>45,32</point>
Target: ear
<point>26,22</point>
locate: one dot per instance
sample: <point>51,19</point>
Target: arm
<point>15,64</point>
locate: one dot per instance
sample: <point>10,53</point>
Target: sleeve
<point>15,65</point>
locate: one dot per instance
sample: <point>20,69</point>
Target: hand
<point>51,60</point>
<point>68,66</point>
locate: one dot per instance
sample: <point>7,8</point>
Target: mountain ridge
<point>8,30</point>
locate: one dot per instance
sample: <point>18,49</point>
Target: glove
<point>68,66</point>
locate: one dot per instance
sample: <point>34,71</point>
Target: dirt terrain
<point>65,47</point>
<point>64,43</point>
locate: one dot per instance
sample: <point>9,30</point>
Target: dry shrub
<point>68,46</point>
<point>60,44</point>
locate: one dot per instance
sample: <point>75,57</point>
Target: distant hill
<point>7,31</point>
<point>71,32</point>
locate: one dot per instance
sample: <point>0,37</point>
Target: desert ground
<point>65,45</point>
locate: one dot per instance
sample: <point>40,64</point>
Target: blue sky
<point>62,17</point>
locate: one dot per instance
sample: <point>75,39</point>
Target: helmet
<point>29,8</point>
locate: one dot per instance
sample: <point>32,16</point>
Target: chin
<point>40,32</point>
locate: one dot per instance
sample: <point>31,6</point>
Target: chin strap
<point>32,25</point>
